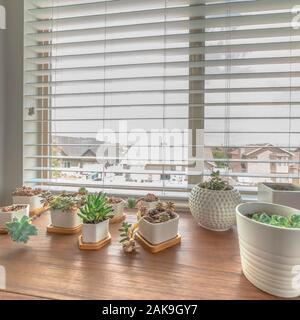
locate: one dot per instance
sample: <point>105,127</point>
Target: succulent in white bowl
<point>269,237</point>
<point>63,209</point>
<point>118,205</point>
<point>95,215</point>
<point>28,195</point>
<point>160,224</point>
<point>150,201</point>
<point>213,203</point>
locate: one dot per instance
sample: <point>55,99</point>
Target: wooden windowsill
<point>205,266</point>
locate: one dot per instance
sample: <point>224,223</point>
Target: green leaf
<point>20,230</point>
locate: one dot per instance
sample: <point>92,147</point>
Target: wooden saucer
<point>3,231</point>
<point>159,247</point>
<point>118,219</point>
<point>38,212</point>
<point>93,246</point>
<point>58,230</point>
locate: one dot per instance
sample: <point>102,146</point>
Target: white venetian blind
<point>138,96</point>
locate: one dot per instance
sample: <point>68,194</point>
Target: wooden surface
<point>206,265</point>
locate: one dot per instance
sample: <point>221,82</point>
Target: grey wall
<point>12,138</point>
<point>2,106</point>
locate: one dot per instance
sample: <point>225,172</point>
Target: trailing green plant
<point>127,234</point>
<point>96,209</point>
<point>291,221</point>
<point>216,183</point>
<point>21,229</point>
<point>131,203</point>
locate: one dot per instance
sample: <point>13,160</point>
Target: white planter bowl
<point>269,254</point>
<point>9,216</point>
<point>149,205</point>
<point>156,233</point>
<point>65,219</point>
<point>93,233</point>
<point>35,202</point>
<point>286,198</point>
<point>118,208</point>
<point>214,210</point>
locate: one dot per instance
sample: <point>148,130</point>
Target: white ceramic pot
<point>65,219</point>
<point>35,202</point>
<point>212,209</point>
<point>270,255</point>
<point>9,216</point>
<point>290,198</point>
<point>148,204</point>
<point>156,233</point>
<point>118,208</point>
<point>93,233</point>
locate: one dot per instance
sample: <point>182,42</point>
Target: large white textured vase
<point>270,255</point>
<point>213,209</point>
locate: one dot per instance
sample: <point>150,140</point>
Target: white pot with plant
<point>28,195</point>
<point>286,194</point>
<point>160,224</point>
<point>150,201</point>
<point>63,209</point>
<point>95,215</point>
<point>118,205</point>
<point>9,213</point>
<point>269,237</point>
<point>213,203</point>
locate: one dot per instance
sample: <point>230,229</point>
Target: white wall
<point>2,105</point>
<point>13,87</point>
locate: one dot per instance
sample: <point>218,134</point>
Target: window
<point>140,96</point>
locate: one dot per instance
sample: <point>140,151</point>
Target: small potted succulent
<point>149,201</point>
<point>213,203</point>
<point>117,205</point>
<point>269,237</point>
<point>160,224</point>
<point>63,208</point>
<point>127,234</point>
<point>8,214</point>
<point>95,215</point>
<point>286,194</point>
<point>131,203</point>
<point>28,195</point>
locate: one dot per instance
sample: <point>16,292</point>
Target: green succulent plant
<point>96,209</point>
<point>64,201</point>
<point>216,183</point>
<point>21,229</point>
<point>291,221</point>
<point>131,203</point>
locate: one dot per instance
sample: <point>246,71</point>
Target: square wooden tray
<point>159,247</point>
<point>57,230</point>
<point>93,246</point>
